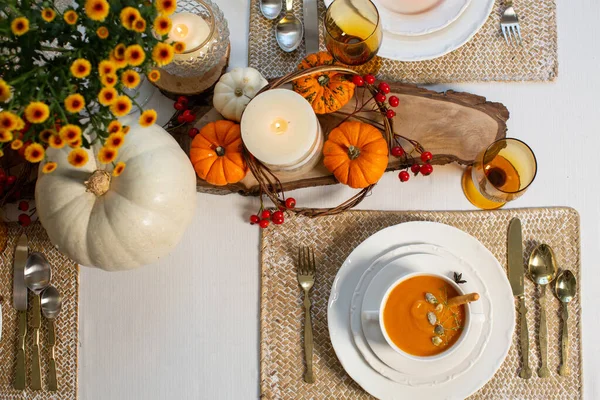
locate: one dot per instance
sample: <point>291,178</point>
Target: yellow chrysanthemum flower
<point>48,14</point>
<point>70,133</point>
<point>102,32</point>
<point>139,25</point>
<point>134,55</point>
<point>107,155</point>
<point>49,167</point>
<point>19,26</point>
<point>120,64</point>
<point>114,126</point>
<point>5,91</point>
<point>20,123</point>
<point>74,103</point>
<point>78,157</point>
<point>179,47</point>
<point>34,153</point>
<point>115,140</point>
<point>121,106</point>
<point>109,80</point>
<point>107,96</point>
<point>16,144</point>
<point>119,52</point>
<point>97,9</point>
<point>106,67</point>
<point>166,7</point>
<point>162,54</point>
<point>71,17</point>
<point>46,134</point>
<point>148,118</point>
<point>8,120</point>
<point>162,25</point>
<point>154,75</point>
<point>128,16</point>
<point>130,78</point>
<point>37,112</point>
<point>119,168</point>
<point>81,68</point>
<point>56,142</point>
<point>125,130</point>
<point>75,144</point>
<point>5,135</point>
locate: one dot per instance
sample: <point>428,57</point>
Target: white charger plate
<point>348,277</point>
<point>403,369</point>
<point>439,43</point>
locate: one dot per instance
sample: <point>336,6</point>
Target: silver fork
<point>510,24</point>
<point>306,279</point>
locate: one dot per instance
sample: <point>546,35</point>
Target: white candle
<point>190,29</point>
<point>280,128</point>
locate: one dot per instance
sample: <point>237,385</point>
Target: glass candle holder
<point>201,25</point>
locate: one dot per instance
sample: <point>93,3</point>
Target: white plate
<point>458,243</point>
<point>436,44</point>
<point>401,368</point>
<point>409,21</point>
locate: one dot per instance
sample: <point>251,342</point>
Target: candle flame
<point>181,30</point>
<point>279,126</point>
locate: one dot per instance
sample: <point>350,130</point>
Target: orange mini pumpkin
<point>356,153</point>
<point>216,153</point>
<point>327,92</point>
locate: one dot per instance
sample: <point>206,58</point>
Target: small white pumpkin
<point>122,222</point>
<point>234,91</point>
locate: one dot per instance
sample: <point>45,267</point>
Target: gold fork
<point>306,279</point>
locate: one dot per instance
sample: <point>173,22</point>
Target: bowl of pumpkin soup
<point>418,319</point>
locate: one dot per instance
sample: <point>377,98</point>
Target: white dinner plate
<point>402,369</point>
<point>439,43</point>
<point>418,17</point>
<point>458,243</point>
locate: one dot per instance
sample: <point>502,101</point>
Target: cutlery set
<point>33,272</point>
<point>290,30</point>
<point>542,269</point>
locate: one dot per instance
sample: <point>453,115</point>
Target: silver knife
<point>311,26</point>
<point>516,276</point>
<point>20,304</point>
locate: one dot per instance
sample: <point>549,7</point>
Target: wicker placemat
<point>485,58</point>
<point>334,238</point>
<point>65,276</point>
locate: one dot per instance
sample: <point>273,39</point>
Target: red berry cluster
<point>277,217</point>
<point>424,169</point>
<point>184,115</point>
<point>381,96</point>
<point>6,181</point>
<point>25,218</point>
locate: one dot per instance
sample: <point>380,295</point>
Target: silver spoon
<point>543,269</point>
<point>51,305</point>
<point>566,288</point>
<point>37,277</point>
<point>289,31</point>
<point>270,8</point>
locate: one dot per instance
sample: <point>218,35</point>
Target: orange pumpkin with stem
<point>216,153</point>
<point>356,153</point>
<point>327,92</point>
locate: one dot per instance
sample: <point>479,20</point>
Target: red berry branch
<point>182,116</point>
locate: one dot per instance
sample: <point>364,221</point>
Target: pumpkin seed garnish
<point>439,308</point>
<point>431,317</point>
<point>436,340</point>
<point>438,330</point>
<point>431,299</point>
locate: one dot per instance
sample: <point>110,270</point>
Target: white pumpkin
<point>122,222</point>
<point>234,91</point>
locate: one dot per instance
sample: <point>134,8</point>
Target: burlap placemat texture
<point>65,277</point>
<point>334,237</point>
<point>486,57</point>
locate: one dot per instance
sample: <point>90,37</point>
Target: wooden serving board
<point>454,126</point>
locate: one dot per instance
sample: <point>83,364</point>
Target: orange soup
<point>408,320</point>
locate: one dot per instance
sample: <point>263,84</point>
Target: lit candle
<point>280,128</point>
<point>190,29</point>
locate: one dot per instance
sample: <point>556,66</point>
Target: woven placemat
<point>65,276</point>
<point>486,57</point>
<point>334,238</point>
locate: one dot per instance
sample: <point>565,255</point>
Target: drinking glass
<point>501,173</point>
<point>353,31</point>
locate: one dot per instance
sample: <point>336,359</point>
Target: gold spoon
<point>566,288</point>
<point>543,269</point>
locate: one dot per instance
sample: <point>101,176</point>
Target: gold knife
<point>20,304</point>
<point>516,276</point>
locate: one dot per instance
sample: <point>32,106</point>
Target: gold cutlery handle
<point>36,370</point>
<point>564,367</point>
<point>52,382</point>
<point>543,372</point>
<point>308,340</point>
<point>525,371</point>
<point>20,372</point>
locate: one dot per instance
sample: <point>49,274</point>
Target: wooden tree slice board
<point>454,126</point>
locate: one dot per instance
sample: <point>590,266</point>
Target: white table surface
<point>188,327</point>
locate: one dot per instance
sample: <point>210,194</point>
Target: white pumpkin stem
<point>99,182</point>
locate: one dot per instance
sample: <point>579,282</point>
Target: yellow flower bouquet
<point>63,74</point>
